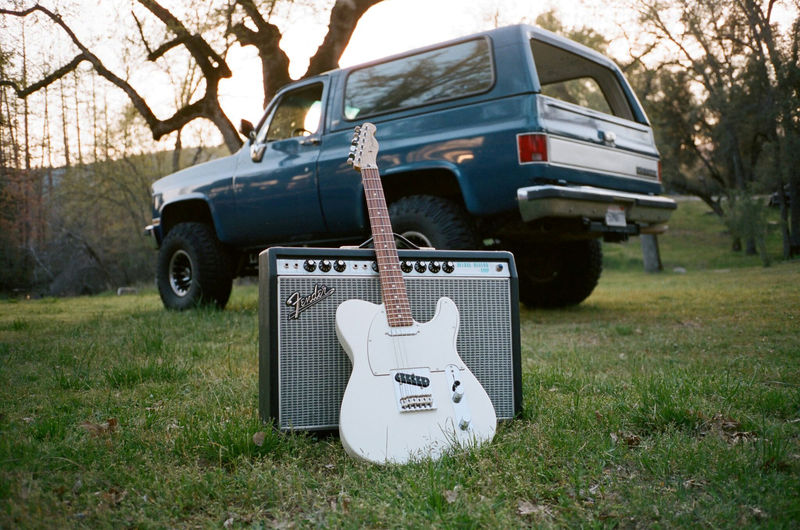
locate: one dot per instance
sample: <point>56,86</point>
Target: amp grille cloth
<point>314,369</point>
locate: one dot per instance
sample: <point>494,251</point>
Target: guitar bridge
<point>412,389</point>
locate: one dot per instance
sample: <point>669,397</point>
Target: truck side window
<point>574,79</point>
<point>450,72</point>
<point>298,114</point>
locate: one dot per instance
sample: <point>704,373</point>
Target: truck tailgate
<point>584,139</point>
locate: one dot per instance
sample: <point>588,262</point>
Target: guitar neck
<point>393,287</point>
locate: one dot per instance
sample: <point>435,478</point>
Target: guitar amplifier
<point>303,371</point>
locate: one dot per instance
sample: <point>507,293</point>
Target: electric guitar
<point>409,396</point>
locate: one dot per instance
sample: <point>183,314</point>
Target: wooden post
<point>650,253</point>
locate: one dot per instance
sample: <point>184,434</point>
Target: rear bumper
<point>648,212</point>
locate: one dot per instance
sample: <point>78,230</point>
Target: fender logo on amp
<point>300,303</point>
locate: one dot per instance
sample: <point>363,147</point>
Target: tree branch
<point>344,18</point>
<point>52,77</point>
<point>211,63</point>
<point>213,66</point>
<point>266,39</point>
<point>164,48</point>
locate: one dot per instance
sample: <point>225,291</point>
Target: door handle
<point>607,137</point>
<point>311,140</point>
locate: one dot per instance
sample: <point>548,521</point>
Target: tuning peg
<point>357,129</point>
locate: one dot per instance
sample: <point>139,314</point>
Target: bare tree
<point>212,64</point>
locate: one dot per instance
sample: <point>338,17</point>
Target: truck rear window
<point>575,79</point>
<point>446,73</point>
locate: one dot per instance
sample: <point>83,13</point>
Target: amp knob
<point>339,265</point>
<point>420,267</point>
<point>434,266</point>
<point>325,265</point>
<point>310,265</point>
<point>448,266</point>
<point>406,266</point>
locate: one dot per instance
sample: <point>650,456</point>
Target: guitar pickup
<point>411,389</point>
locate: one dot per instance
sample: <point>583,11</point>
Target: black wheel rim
<point>180,273</point>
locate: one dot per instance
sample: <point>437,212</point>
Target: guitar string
<point>393,288</point>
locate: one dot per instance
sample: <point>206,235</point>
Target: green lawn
<point>665,399</point>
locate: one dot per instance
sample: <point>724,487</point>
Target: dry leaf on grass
<point>728,429</point>
<point>528,508</point>
<point>344,502</point>
<point>451,495</point>
<point>694,483</point>
<point>341,501</point>
<point>630,439</point>
<point>258,438</point>
<point>108,427</point>
<point>112,496</point>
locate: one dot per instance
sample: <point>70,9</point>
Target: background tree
<point>90,208</point>
<point>721,103</point>
<point>210,60</point>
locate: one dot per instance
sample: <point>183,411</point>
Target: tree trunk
<point>794,209</point>
<point>64,122</point>
<point>176,152</point>
<point>750,247</point>
<point>785,235</point>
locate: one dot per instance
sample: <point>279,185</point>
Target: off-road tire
<point>558,274</point>
<point>430,221</point>
<point>193,268</point>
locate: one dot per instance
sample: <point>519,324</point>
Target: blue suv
<point>513,139</point>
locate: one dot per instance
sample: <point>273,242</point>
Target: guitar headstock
<point>364,148</point>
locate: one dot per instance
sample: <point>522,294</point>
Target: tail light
<point>659,171</point>
<point>532,148</point>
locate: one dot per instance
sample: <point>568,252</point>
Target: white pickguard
<point>373,424</point>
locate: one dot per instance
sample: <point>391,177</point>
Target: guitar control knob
<point>375,266</point>
<point>434,266</point>
<point>325,265</point>
<point>464,422</point>
<point>420,267</point>
<point>458,394</point>
<point>310,265</point>
<point>339,265</point>
<point>448,266</point>
<point>405,266</point>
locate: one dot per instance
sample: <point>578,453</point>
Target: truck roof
<point>500,36</point>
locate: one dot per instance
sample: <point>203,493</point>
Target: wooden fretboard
<point>393,288</point>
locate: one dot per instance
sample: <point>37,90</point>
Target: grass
<point>663,400</point>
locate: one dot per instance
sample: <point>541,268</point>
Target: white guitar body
<point>410,395</point>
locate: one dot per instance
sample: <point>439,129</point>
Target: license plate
<point>615,216</point>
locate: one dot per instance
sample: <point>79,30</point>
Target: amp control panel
<point>412,266</point>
